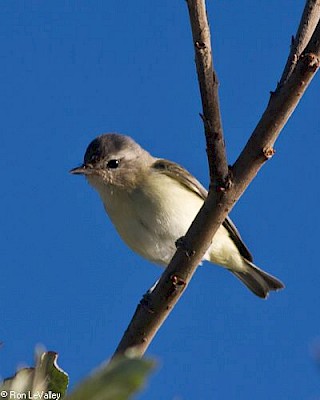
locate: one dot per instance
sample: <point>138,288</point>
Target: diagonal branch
<point>143,325</point>
<point>309,20</point>
<point>153,310</point>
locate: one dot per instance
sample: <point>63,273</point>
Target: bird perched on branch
<point>152,202</point>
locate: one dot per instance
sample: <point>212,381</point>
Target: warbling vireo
<point>152,202</point>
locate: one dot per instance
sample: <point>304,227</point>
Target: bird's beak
<point>82,170</point>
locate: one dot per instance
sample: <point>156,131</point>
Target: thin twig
<point>313,46</point>
<point>208,83</point>
<point>309,20</point>
<point>154,309</point>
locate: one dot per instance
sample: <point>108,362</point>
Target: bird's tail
<point>258,281</point>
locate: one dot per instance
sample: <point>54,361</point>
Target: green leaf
<point>57,379</point>
<point>46,379</point>
<point>118,380</point>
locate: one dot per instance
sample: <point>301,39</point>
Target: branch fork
<point>227,184</point>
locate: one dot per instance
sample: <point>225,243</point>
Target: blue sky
<point>72,70</point>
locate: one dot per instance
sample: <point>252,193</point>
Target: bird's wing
<point>237,240</point>
<point>177,172</point>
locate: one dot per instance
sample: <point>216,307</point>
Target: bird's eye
<point>113,164</point>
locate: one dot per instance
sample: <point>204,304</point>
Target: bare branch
<point>208,83</point>
<point>308,22</point>
<point>156,306</point>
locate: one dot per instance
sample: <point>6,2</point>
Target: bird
<point>152,202</point>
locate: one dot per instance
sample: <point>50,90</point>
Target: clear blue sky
<point>71,70</point>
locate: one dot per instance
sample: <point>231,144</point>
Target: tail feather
<point>258,281</point>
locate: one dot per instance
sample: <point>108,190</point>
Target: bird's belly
<point>151,243</point>
<point>150,223</point>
